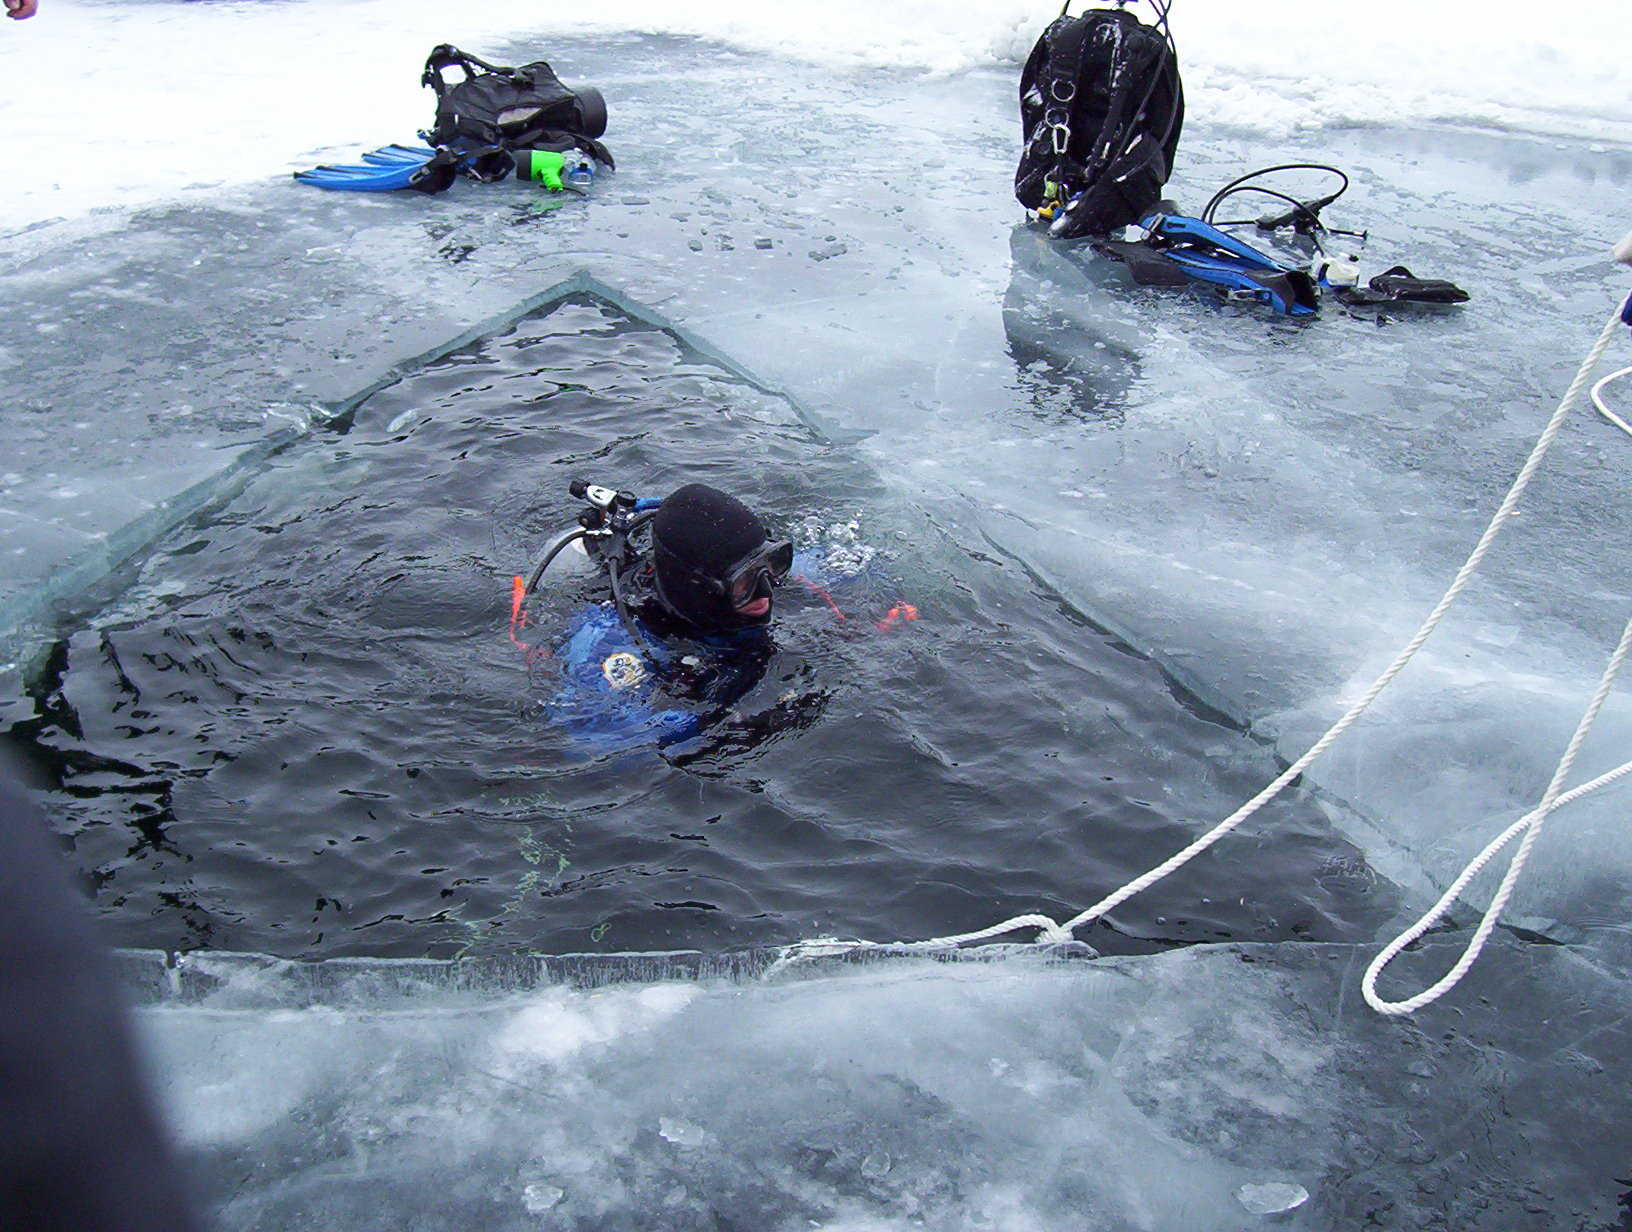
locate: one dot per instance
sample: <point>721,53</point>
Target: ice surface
<point>312,81</point>
<point>1200,1089</point>
<point>1269,509</point>
<point>1304,513</point>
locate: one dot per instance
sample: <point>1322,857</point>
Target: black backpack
<point>1101,105</point>
<point>511,108</point>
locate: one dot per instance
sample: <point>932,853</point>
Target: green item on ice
<point>542,166</point>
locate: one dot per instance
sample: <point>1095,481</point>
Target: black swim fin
<point>1400,286</point>
<point>1149,267</point>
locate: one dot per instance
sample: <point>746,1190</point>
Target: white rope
<point>1458,584</point>
<point>1530,824</point>
<point>1598,400</point>
<point>1049,931</point>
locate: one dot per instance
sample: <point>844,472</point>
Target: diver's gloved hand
<point>741,732</point>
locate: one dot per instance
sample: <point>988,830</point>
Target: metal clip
<point>1058,120</point>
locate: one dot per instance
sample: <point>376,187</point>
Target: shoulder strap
<point>1060,89</point>
<point>1124,58</point>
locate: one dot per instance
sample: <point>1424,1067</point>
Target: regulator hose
<point>554,550</point>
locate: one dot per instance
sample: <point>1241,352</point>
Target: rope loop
<point>1530,826</point>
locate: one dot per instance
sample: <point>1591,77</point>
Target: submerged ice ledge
<point>1168,1092</point>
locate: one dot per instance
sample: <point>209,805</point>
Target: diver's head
<point>714,563</point>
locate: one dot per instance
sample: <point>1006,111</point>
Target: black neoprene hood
<point>698,534</point>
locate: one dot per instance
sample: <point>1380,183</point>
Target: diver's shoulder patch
<point>623,670</point>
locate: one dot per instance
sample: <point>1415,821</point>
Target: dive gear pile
<point>516,108</point>
<point>1101,106</point>
<point>495,122</point>
<point>1169,249</point>
<point>1101,109</point>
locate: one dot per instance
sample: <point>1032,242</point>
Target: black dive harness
<point>496,106</point>
<point>1101,105</point>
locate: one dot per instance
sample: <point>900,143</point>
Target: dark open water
<point>303,729</point>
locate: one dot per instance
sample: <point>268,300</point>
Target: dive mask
<point>769,562</point>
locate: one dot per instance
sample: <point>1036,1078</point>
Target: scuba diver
<point>684,632</point>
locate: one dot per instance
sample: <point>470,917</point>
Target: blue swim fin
<point>1177,230</point>
<point>1206,254</point>
<point>391,154</point>
<point>1288,291</point>
<point>388,169</point>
